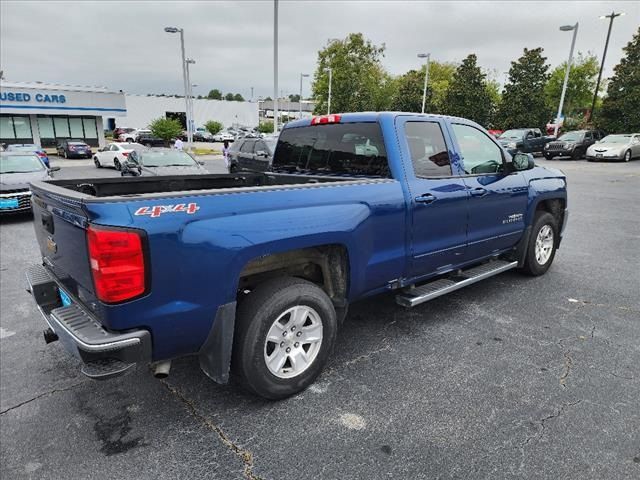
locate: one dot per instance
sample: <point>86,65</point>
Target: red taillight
<point>125,154</point>
<point>41,154</point>
<point>117,263</point>
<point>326,119</point>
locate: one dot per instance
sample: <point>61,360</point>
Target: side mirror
<point>200,162</point>
<point>522,161</point>
<point>54,169</point>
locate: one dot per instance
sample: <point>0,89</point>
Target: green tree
<point>621,107</point>
<point>213,127</point>
<point>215,94</point>
<point>238,98</point>
<point>166,128</point>
<point>407,95</point>
<point>468,95</point>
<point>493,90</point>
<point>268,99</point>
<point>358,76</point>
<point>294,98</point>
<point>229,97</point>
<point>265,127</point>
<point>523,101</point>
<point>582,82</point>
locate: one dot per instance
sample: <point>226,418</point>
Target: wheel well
<point>555,207</point>
<point>326,265</point>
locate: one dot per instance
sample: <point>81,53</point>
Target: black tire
<point>627,156</point>
<point>233,168</point>
<point>129,140</point>
<point>548,156</point>
<point>256,315</point>
<point>531,265</point>
<point>97,162</point>
<point>576,155</point>
<point>116,163</point>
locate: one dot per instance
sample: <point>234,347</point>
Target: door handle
<point>427,198</point>
<point>478,192</point>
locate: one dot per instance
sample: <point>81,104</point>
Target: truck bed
<point>131,187</point>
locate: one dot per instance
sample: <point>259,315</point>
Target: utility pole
<point>426,78</point>
<point>565,28</point>
<point>604,55</point>
<point>275,66</point>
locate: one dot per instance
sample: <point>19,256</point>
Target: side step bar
<point>417,295</point>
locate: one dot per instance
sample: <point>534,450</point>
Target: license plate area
<point>8,203</point>
<point>65,299</point>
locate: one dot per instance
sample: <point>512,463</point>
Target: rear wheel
<point>548,156</point>
<point>542,244</point>
<point>116,163</point>
<point>285,332</point>
<point>97,162</point>
<point>627,156</point>
<point>576,155</point>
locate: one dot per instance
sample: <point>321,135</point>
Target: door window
<point>587,136</point>
<point>428,150</point>
<point>479,154</point>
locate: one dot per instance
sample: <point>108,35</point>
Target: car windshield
<point>168,158</point>
<point>20,164</point>
<point>616,139</point>
<point>133,146</point>
<point>22,148</point>
<point>571,136</point>
<point>512,134</point>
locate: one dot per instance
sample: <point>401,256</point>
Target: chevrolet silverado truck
<point>526,140</point>
<point>253,272</point>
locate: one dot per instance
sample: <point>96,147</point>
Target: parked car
<point>133,135</point>
<point>161,161</point>
<point>495,133</point>
<point>148,140</point>
<point>252,154</point>
<point>115,154</point>
<point>73,149</point>
<point>526,140</point>
<point>623,146</point>
<point>261,268</point>
<point>30,148</point>
<point>17,171</point>
<point>572,144</point>
<point>117,132</point>
<point>223,136</point>
<point>202,135</point>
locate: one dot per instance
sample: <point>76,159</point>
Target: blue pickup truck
<point>254,272</point>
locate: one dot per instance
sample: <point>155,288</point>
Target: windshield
<point>512,134</point>
<point>20,164</point>
<point>572,136</point>
<point>133,146</point>
<point>168,158</point>
<point>616,139</point>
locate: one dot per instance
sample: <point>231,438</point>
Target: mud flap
<point>215,353</point>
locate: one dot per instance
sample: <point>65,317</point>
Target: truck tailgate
<point>60,225</point>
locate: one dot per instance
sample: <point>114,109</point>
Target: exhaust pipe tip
<point>162,369</point>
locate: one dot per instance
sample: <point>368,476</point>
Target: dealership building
<point>44,114</point>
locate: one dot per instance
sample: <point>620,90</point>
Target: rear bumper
<point>103,353</point>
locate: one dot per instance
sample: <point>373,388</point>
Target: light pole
<point>611,16</point>
<point>190,120</point>
<point>426,77</point>
<point>329,96</point>
<point>275,66</point>
<point>184,74</point>
<point>565,28</point>
<point>302,75</point>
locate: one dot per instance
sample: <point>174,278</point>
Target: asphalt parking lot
<point>513,377</point>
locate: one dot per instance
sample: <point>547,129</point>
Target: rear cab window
<point>428,149</point>
<point>352,149</point>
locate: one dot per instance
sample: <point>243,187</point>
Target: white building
<point>44,114</point>
<point>142,110</point>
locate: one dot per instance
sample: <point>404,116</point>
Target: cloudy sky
<point>122,45</point>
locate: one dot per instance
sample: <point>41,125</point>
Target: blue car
<point>30,148</point>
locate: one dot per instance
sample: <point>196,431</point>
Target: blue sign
<point>26,97</point>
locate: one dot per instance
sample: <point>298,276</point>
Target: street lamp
<point>565,28</point>
<point>329,96</point>
<point>426,77</point>
<point>611,16</point>
<point>184,74</point>
<point>302,75</point>
<point>275,66</point>
<point>190,120</point>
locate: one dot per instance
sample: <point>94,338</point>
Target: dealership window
<point>22,127</point>
<point>90,130</point>
<point>75,127</point>
<point>6,128</point>
<point>62,127</point>
<point>45,127</point>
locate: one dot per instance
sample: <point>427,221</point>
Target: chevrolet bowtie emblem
<point>51,245</point>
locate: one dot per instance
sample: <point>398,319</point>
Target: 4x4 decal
<point>158,210</point>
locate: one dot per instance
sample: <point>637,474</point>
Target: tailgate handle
<point>47,222</point>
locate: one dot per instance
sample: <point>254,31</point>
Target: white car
<point>133,136</point>
<point>115,154</point>
<point>622,146</point>
<point>222,136</point>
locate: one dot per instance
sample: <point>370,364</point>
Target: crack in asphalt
<point>568,363</point>
<point>44,394</point>
<point>245,455</point>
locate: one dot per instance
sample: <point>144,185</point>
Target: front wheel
<point>285,332</point>
<point>548,156</point>
<point>542,244</point>
<point>116,163</point>
<point>97,162</point>
<point>627,156</point>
